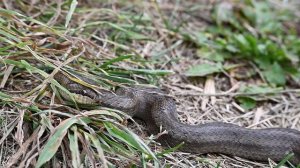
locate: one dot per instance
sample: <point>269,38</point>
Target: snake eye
<point>83,92</point>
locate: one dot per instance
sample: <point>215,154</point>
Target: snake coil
<point>158,110</point>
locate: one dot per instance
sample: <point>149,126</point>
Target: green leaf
<point>296,76</point>
<point>71,11</point>
<point>285,159</point>
<point>201,38</point>
<point>246,103</point>
<point>98,146</point>
<point>109,113</point>
<point>210,54</point>
<point>113,130</point>
<point>118,59</point>
<point>26,65</point>
<point>255,92</point>
<point>262,89</point>
<point>131,34</point>
<point>10,36</point>
<point>158,55</point>
<point>129,138</point>
<point>54,141</point>
<point>116,147</point>
<point>9,13</point>
<point>4,96</point>
<point>74,148</point>
<point>223,13</point>
<point>203,70</point>
<point>117,78</point>
<point>242,43</point>
<point>168,151</point>
<point>145,71</point>
<point>275,75</point>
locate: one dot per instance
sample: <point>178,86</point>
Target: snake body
<point>159,111</point>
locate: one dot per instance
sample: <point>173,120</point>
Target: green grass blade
<point>129,138</point>
<point>170,150</point>
<point>4,96</point>
<point>145,71</point>
<point>54,142</point>
<point>74,148</point>
<point>117,147</point>
<point>284,160</point>
<point>71,11</point>
<point>118,59</point>
<point>98,146</point>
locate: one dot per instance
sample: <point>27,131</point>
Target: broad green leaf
<point>263,89</point>
<point>129,138</point>
<point>223,13</point>
<point>120,134</point>
<point>275,75</point>
<point>231,48</point>
<point>296,76</point>
<point>117,147</point>
<point>210,54</point>
<point>256,93</point>
<point>242,43</point>
<point>267,20</point>
<point>201,38</point>
<point>54,141</point>
<point>246,103</point>
<point>100,151</point>
<point>203,70</point>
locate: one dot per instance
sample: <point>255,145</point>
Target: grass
<point>253,32</point>
<point>121,43</point>
<point>85,138</point>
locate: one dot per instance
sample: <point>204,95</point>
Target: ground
<point>156,42</point>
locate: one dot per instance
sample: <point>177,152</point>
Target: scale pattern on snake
<point>159,110</point>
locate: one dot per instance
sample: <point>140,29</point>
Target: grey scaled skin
<point>159,111</point>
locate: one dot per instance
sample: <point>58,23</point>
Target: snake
<point>158,111</point>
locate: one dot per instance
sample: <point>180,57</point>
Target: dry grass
<point>95,34</point>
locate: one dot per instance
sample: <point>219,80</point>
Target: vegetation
<point>257,34</point>
<point>107,42</point>
<point>32,49</point>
